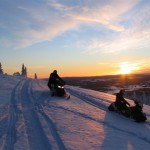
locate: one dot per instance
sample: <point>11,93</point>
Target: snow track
<point>36,135</point>
<point>76,113</point>
<point>11,129</point>
<point>49,122</point>
<point>89,99</point>
<point>22,96</point>
<point>53,130</point>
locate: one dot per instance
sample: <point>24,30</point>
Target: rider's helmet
<point>55,71</point>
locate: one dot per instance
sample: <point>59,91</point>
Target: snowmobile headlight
<point>61,87</point>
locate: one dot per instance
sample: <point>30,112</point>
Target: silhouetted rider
<point>55,80</point>
<point>121,103</point>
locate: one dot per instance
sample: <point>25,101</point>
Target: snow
<point>30,119</point>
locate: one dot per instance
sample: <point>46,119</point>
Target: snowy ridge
<point>92,100</point>
<point>31,119</point>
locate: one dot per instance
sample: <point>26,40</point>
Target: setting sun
<point>126,68</point>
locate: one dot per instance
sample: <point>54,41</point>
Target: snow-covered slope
<point>30,119</point>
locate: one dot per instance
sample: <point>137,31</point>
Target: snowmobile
<point>59,90</point>
<point>134,112</point>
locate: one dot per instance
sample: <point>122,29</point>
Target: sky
<point>75,37</point>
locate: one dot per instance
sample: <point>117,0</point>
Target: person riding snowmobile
<point>120,106</point>
<point>55,81</point>
<point>120,102</point>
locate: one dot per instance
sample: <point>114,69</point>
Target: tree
<point>1,70</point>
<point>24,71</point>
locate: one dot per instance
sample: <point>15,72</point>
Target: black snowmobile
<point>59,90</point>
<point>134,112</point>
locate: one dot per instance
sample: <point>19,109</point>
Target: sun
<point>126,68</point>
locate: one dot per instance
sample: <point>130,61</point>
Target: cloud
<point>27,22</point>
<point>124,42</point>
<point>31,22</point>
<point>136,36</point>
<point>107,14</point>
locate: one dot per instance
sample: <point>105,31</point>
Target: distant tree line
<point>23,71</point>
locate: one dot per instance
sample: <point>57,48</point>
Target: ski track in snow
<point>52,128</point>
<point>91,100</point>
<point>11,130</point>
<point>50,124</point>
<point>31,107</point>
<point>88,99</point>
<point>76,113</point>
<point>36,135</point>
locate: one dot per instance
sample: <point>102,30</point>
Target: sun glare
<point>126,68</point>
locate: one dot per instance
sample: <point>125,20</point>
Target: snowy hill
<point>30,119</point>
